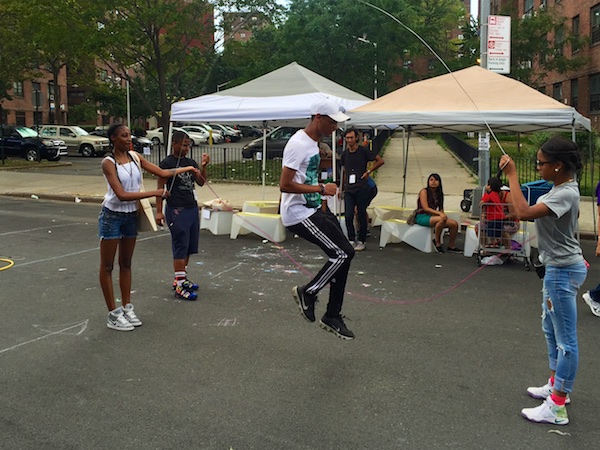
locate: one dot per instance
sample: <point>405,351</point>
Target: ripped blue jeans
<point>559,321</point>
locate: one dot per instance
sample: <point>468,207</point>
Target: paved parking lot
<point>443,354</point>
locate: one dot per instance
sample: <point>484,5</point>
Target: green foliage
<point>537,46</point>
<point>17,61</point>
<point>84,112</point>
<point>323,35</point>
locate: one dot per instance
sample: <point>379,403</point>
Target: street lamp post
<point>375,70</point>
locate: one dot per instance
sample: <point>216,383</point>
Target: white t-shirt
<point>301,154</point>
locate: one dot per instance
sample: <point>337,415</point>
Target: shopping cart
<point>501,236</point>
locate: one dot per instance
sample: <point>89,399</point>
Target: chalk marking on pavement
<point>225,271</point>
<point>40,228</point>
<point>66,255</point>
<point>81,325</point>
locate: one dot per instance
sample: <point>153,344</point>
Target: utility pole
<point>484,138</point>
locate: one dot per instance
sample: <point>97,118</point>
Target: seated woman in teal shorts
<point>431,214</point>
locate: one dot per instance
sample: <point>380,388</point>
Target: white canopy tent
<point>283,96</point>
<point>471,99</point>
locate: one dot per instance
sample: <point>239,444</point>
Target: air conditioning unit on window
<point>526,65</point>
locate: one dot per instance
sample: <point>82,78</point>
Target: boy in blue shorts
<point>181,212</point>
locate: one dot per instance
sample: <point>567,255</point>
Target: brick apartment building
<point>580,88</point>
<point>34,103</point>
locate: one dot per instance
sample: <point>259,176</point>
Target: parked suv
<point>26,143</point>
<point>139,143</point>
<point>276,141</point>
<point>77,139</point>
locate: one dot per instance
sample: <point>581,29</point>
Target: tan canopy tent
<point>469,100</point>
<point>472,99</point>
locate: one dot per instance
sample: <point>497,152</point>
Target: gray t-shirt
<point>556,232</point>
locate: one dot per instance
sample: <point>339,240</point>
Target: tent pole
<point>169,140</point>
<point>594,199</point>
<point>336,207</point>
<point>405,143</point>
<point>264,158</point>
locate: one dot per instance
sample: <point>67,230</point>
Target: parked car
<point>196,138</point>
<point>228,133</point>
<point>138,142</point>
<point>191,129</point>
<point>26,143</point>
<point>217,136</point>
<point>77,139</point>
<point>249,131</point>
<point>276,141</point>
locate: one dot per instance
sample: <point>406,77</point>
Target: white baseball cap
<point>327,107</point>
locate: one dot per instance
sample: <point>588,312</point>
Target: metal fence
<point>525,164</point>
<point>226,163</point>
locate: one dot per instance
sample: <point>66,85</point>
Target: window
<point>595,92</point>
<point>528,7</point>
<point>575,93</point>
<point>36,96</point>
<point>18,89</point>
<point>595,24</point>
<point>575,27</point>
<point>103,74</point>
<point>557,91</point>
<point>559,42</point>
<point>20,119</point>
<point>49,132</point>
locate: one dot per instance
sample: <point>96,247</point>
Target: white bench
<point>397,230</point>
<point>268,206</point>
<point>267,226</point>
<point>385,212</point>
<point>217,222</point>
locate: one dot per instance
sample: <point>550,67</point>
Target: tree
<point>344,39</point>
<point>158,41</point>
<point>44,22</point>
<point>16,50</point>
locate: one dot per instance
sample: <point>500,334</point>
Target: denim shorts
<point>117,225</point>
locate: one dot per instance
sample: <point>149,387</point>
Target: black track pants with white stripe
<point>323,229</point>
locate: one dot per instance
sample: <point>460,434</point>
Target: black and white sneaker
<point>336,326</point>
<point>306,302</point>
<point>438,248</point>
<point>454,250</point>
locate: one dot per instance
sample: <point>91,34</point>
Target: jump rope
<point>366,297</point>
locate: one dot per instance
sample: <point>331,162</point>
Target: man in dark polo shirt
<point>357,192</point>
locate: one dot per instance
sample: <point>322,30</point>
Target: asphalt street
<point>443,354</point>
